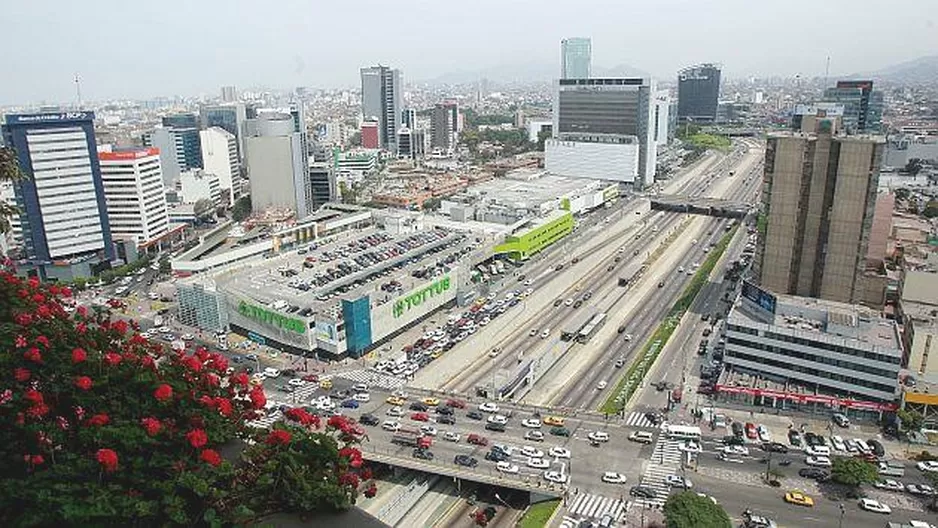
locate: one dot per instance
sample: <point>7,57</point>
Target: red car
<point>477,440</point>
<point>459,404</point>
<point>312,378</point>
<point>420,417</point>
<point>751,431</point>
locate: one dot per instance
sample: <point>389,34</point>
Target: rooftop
<point>525,189</point>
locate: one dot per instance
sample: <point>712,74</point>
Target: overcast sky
<point>138,49</point>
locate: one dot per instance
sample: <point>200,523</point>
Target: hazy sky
<point>188,47</point>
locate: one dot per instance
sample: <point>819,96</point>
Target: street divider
<point>632,380</point>
<point>539,515</point>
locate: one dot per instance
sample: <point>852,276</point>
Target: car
<point>362,397</point>
<point>187,337</point>
<point>642,437</point>
<point>497,419</point>
<point>871,505</point>
<point>553,420</point>
<point>763,432</point>
<point>368,419</point>
<point>643,492</point>
<point>395,411</point>
<point>495,426</point>
<point>532,452</point>
<point>391,425</point>
<point>465,461</point>
<point>350,404</point>
<point>475,415</point>
<point>752,520</point>
<point>841,420</point>
<point>677,481</point>
<point>799,498</point>
<point>488,407</point>
<point>814,473</point>
<point>418,406</point>
<point>496,455</point>
<point>446,419</point>
<point>735,450</point>
<point>456,404</point>
<point>296,382</point>
<point>568,302</point>
<point>444,410</point>
<point>555,477</point>
<point>479,440</point>
<point>601,385</point>
<point>876,447</point>
<point>422,454</point>
<point>838,443</point>
<point>395,400</point>
<point>559,431</point>
<point>428,430</point>
<point>690,446</point>
<point>531,423</point>
<point>420,417</point>
<point>598,436</point>
<point>538,463</point>
<point>559,452</point>
<point>654,417</point>
<point>494,353</point>
<point>818,450</point>
<point>432,402</point>
<point>611,477</point>
<point>506,467</point>
<point>751,431</point>
<point>818,461</point>
<point>558,302</point>
<point>891,485</point>
<point>535,436</point>
<point>359,387</point>
<point>930,466</point>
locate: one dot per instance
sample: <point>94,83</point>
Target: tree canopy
<point>910,420</point>
<point>853,471</point>
<point>689,510</point>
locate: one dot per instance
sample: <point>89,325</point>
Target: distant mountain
<point>528,72</point>
<point>918,71</point>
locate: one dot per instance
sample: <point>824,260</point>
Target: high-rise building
<point>277,166</point>
<point>220,157</point>
<point>136,198</point>
<point>183,133</point>
<point>819,196</point>
<point>409,118</point>
<point>63,213</point>
<point>806,117</point>
<point>410,143</point>
<point>229,94</point>
<point>444,122</point>
<point>230,117</point>
<point>163,141</point>
<point>371,136</point>
<point>863,106</point>
<point>575,58</point>
<point>323,185</point>
<point>382,93</point>
<point>698,93</point>
<point>606,111</point>
<point>662,117</point>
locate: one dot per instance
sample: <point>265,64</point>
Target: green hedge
<point>538,514</point>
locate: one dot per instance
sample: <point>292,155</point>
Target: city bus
<point>573,328</point>
<point>591,328</point>
<point>682,432</point>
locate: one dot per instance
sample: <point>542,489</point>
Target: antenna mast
<point>78,89</point>
<point>827,70</point>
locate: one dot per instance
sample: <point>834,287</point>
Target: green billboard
<point>417,297</point>
<point>263,315</point>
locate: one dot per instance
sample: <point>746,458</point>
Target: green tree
<point>902,194</point>
<point>542,136</point>
<point>910,420</point>
<point>931,209</point>
<point>853,471</point>
<point>203,208</point>
<point>689,510</point>
<point>241,208</point>
<point>165,266</point>
<point>9,172</point>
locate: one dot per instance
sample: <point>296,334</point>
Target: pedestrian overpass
<point>717,207</point>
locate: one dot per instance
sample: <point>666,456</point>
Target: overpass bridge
<point>717,207</point>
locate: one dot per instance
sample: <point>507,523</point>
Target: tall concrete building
<point>863,106</point>
<point>698,93</point>
<point>184,129</point>
<point>382,92</point>
<point>409,118</point>
<point>136,198</point>
<point>444,122</point>
<point>63,212</point>
<point>277,167</point>
<point>198,185</point>
<point>323,185</point>
<point>575,58</point>
<point>220,157</point>
<point>163,141</point>
<point>229,94</point>
<point>662,118</point>
<point>230,117</point>
<point>819,197</point>
<point>617,111</point>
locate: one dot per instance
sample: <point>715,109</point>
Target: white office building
<point>136,199</point>
<point>662,117</point>
<point>277,165</point>
<point>610,157</point>
<point>220,157</point>
<point>198,185</point>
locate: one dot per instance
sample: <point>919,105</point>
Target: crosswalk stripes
<point>596,506</point>
<point>372,379</point>
<point>638,419</point>
<point>569,522</point>
<point>665,460</point>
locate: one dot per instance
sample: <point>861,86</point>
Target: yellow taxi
<point>325,384</point>
<point>799,498</point>
<point>432,402</point>
<point>436,354</point>
<point>553,420</point>
<point>396,400</point>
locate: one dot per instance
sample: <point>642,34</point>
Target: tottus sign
<point>417,297</point>
<point>264,315</point>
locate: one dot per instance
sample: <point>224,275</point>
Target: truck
<point>410,437</point>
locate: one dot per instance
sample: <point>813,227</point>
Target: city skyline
<point>302,50</point>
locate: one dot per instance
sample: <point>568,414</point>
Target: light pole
<point>843,512</point>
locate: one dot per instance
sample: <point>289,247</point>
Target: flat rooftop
<point>527,189</point>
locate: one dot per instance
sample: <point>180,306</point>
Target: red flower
<point>33,396</point>
<point>108,459</point>
<point>21,374</point>
<point>366,474</point>
<point>39,298</point>
<point>239,379</point>
<point>79,355</point>
<point>112,359</point>
<point>258,400</point>
<point>43,311</point>
<point>99,420</point>
<point>163,393</point>
<point>211,457</point>
<point>34,460</point>
<point>224,406</point>
<point>38,411</point>
<point>349,479</point>
<point>82,310</point>
<point>23,319</point>
<point>33,355</point>
<point>21,341</point>
<point>193,363</point>
<point>83,382</point>
<point>301,415</point>
<point>43,340</point>
<point>337,422</point>
<point>211,379</point>
<point>197,438</point>
<point>152,425</point>
<point>66,291</point>
<point>279,437</point>
<point>33,282</point>
<point>120,325</point>
<point>371,491</point>
<point>219,362</point>
<point>207,401</point>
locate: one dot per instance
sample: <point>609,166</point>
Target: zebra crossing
<point>266,421</point>
<point>590,505</point>
<point>372,378</point>
<point>665,460</point>
<point>638,419</point>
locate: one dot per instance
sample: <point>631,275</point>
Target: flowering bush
<point>104,428</point>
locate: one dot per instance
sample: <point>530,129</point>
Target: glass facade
<point>202,308</point>
<point>575,58</point>
<point>863,106</point>
<point>357,316</point>
<point>698,93</point>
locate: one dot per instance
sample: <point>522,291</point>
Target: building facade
<point>371,135</point>
<point>698,93</point>
<point>322,184</point>
<point>63,211</point>
<point>575,58</point>
<point>276,164</point>
<point>163,141</point>
<point>382,93</point>
<point>662,118</point>
<point>612,157</point>
<point>198,185</point>
<point>443,124</point>
<point>863,106</point>
<point>136,198</point>
<point>228,117</point>
<point>184,129</point>
<point>220,157</point>
<point>819,196</point>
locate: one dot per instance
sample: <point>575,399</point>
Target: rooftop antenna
<point>827,70</point>
<point>78,89</point>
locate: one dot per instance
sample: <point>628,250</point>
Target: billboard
<point>762,298</point>
<point>270,324</point>
<point>56,117</point>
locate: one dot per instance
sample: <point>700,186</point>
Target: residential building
<point>819,196</point>
<point>220,157</point>
<point>136,199</point>
<point>277,166</point>
<point>863,106</point>
<point>229,94</point>
<point>587,110</point>
<point>229,117</point>
<point>198,185</point>
<point>382,92</point>
<point>698,93</point>
<point>443,123</point>
<point>63,212</point>
<point>575,58</point>
<point>371,136</point>
<point>323,185</point>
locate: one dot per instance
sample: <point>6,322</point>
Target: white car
<point>187,337</point>
<point>327,405</point>
<point>532,452</point>
<point>627,337</point>
<point>735,450</point>
<point>538,463</point>
<point>296,382</point>
<point>497,419</point>
<point>559,452</point>
<point>506,467</point>
<point>838,443</point>
<point>533,332</point>
<point>536,436</point>
<point>598,436</point>
<point>691,446</point>
<point>258,377</point>
<point>395,411</point>
<point>428,430</point>
<point>494,352</point>
<point>555,476</point>
<point>612,477</point>
<point>568,302</point>
<point>271,372</point>
<point>488,407</point>
<point>818,450</point>
<point>764,435</point>
<point>890,484</point>
<point>363,397</point>
<point>601,385</point>
<point>819,461</point>
<point>929,467</point>
<point>874,506</point>
<point>677,481</point>
<point>451,436</point>
<point>642,437</point>
<point>360,387</point>
<point>531,423</point>
<point>391,425</point>
<point>545,334</point>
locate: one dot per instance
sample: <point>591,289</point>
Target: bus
<point>591,328</point>
<point>682,432</point>
<point>572,330</point>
